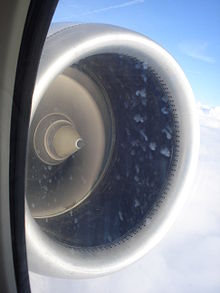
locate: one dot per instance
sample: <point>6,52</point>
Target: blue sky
<point>189,30</point>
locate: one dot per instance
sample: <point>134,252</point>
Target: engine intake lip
<point>45,255</point>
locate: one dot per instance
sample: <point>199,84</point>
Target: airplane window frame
<point>25,24</point>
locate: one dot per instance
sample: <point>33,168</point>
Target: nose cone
<point>68,149</point>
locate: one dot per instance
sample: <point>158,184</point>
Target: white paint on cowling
<point>44,255</point>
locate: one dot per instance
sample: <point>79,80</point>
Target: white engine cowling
<point>113,146</point>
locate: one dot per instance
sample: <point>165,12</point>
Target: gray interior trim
<point>12,19</point>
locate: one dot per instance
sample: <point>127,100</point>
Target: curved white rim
<point>66,262</point>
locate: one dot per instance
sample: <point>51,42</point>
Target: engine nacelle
<point>113,146</point>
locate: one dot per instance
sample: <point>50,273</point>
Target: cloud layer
<point>117,6</point>
<point>197,50</point>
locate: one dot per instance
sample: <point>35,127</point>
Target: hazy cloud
<point>195,72</point>
<point>197,51</point>
<point>117,6</point>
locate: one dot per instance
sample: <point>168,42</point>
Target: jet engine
<point>112,149</point>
